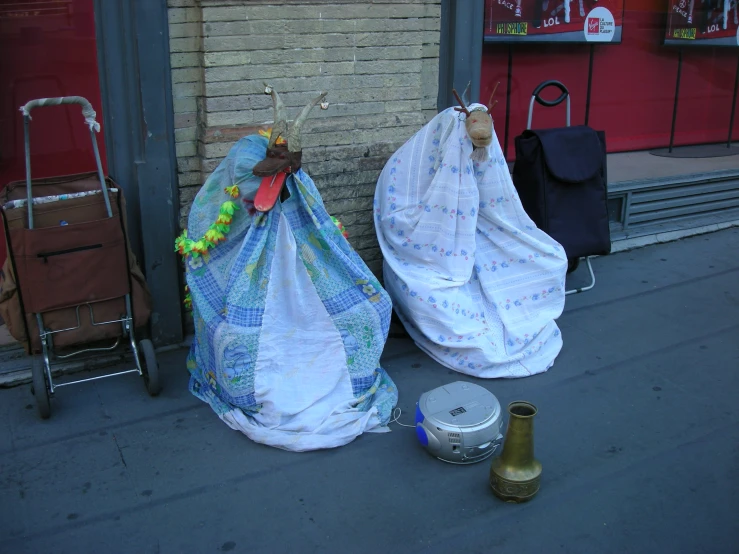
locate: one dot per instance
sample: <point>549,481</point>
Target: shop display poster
<point>702,23</point>
<point>554,20</point>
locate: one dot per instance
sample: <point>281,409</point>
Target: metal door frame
<point>139,136</point>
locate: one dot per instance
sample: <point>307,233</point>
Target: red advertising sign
<point>703,23</point>
<point>553,20</point>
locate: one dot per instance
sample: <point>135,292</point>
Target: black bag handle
<point>549,103</point>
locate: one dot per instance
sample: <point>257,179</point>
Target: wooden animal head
<point>479,122</point>
<point>287,155</point>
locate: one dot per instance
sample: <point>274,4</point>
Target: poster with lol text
<point>703,23</point>
<point>554,20</point>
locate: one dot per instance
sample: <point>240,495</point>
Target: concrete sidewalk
<point>638,433</point>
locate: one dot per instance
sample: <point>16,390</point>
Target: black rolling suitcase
<point>561,179</point>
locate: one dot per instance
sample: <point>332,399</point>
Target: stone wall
<point>379,61</point>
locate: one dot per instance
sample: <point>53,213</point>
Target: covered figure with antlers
<point>289,321</point>
<point>476,284</point>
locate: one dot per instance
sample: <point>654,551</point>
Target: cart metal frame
<point>572,263</point>
<point>43,386</point>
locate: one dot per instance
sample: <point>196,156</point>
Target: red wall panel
<point>633,85</point>
<point>47,49</point>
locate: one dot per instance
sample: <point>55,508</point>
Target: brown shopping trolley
<point>70,284</point>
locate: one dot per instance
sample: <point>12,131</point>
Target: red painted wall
<point>633,86</point>
<point>47,48</point>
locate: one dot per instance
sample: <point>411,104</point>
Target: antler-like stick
<point>463,109</point>
<point>293,142</point>
<point>279,126</point>
<point>466,93</point>
<point>491,106</point>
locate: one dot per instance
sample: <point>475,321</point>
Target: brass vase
<point>515,474</point>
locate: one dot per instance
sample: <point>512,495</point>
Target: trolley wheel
<point>572,264</point>
<point>39,387</point>
<point>150,367</point>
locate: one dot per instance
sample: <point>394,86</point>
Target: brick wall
<point>378,60</point>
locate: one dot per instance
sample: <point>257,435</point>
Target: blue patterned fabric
<point>229,289</point>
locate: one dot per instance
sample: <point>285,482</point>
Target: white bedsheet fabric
<point>477,285</point>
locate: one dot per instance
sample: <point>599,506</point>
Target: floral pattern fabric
<point>289,321</point>
<point>477,285</point>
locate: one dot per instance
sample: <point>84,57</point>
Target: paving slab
<point>637,431</point>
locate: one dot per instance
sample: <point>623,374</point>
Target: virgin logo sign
<point>599,25</point>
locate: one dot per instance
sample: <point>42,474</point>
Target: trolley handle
<point>87,112</point>
<point>551,103</point>
<point>536,96</point>
<point>89,115</point>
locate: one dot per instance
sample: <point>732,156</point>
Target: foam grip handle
<point>551,103</point>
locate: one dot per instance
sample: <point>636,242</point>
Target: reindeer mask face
<point>479,125</point>
<point>284,151</point>
<point>278,159</point>
<point>283,156</point>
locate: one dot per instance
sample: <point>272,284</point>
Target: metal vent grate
<point>687,200</point>
<point>674,203</point>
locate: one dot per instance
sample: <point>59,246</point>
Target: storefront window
<point>637,47</point>
<point>47,49</point>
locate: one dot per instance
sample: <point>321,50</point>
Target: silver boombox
<point>459,423</point>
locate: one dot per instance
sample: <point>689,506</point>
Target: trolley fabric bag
<point>70,277</point>
<point>560,175</point>
<point>561,178</point>
<point>43,270</point>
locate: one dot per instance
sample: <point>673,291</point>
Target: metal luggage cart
<point>88,275</point>
<point>573,262</point>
